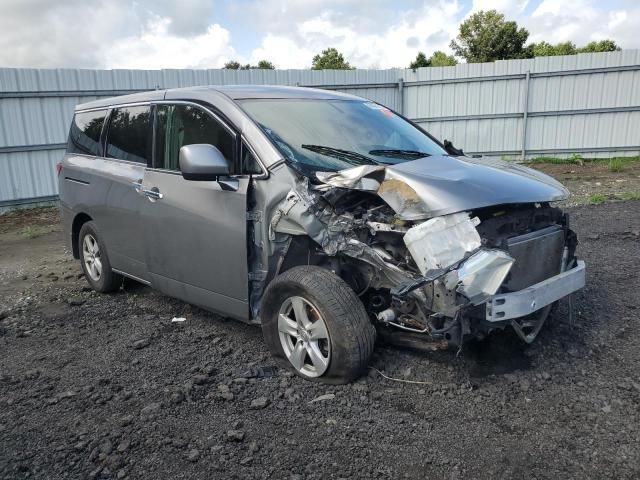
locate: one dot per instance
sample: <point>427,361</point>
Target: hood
<point>440,185</point>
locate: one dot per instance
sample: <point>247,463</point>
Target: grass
<point>34,231</point>
<point>572,160</point>
<point>630,196</point>
<point>616,164</point>
<point>598,198</point>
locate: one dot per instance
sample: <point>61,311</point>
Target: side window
<point>250,165</point>
<point>129,134</point>
<point>180,125</point>
<point>84,136</point>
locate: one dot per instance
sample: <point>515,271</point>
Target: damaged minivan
<point>326,218</point>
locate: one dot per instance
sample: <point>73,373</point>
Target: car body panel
<point>441,185</point>
<point>103,189</point>
<point>195,236</point>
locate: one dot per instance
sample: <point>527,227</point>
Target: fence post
<point>525,115</point>
<point>401,96</point>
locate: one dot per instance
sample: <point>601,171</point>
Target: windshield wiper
<point>398,153</point>
<point>348,156</point>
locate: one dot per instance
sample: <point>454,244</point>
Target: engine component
<point>442,241</point>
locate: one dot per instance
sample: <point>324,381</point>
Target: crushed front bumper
<point>518,304</point>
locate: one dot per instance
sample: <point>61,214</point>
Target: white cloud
<point>117,33</point>
<point>156,47</point>
<point>509,8</point>
<point>582,21</point>
<point>425,29</point>
<point>373,33</point>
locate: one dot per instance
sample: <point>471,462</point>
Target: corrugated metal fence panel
<point>477,106</point>
<point>28,175</point>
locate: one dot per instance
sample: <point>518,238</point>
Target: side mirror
<point>202,162</point>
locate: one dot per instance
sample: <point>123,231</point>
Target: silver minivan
<point>326,218</point>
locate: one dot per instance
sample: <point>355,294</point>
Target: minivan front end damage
<point>433,279</point>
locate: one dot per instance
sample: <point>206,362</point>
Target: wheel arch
<point>79,220</point>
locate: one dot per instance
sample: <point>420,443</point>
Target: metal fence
<point>586,104</point>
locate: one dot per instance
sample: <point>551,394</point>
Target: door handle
<point>153,193</point>
<point>137,185</point>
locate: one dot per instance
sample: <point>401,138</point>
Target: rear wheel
<point>316,325</point>
<point>95,261</point>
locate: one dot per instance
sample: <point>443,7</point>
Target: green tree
<point>545,49</point>
<point>420,61</point>
<point>438,59</point>
<point>486,36</point>
<point>599,46</point>
<point>265,65</point>
<point>232,65</point>
<point>441,59</point>
<point>330,59</point>
<point>262,65</point>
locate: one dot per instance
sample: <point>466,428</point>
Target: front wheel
<point>314,322</point>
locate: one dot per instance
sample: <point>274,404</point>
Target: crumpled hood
<point>440,185</point>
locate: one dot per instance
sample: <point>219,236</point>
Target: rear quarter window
<point>84,135</point>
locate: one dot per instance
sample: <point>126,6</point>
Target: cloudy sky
<point>208,33</point>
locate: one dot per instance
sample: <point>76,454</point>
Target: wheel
<point>95,261</point>
<point>314,323</point>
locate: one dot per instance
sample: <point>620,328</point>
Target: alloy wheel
<point>304,337</point>
<point>91,257</point>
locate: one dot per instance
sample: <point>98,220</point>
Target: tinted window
<point>180,125</point>
<point>84,136</point>
<point>129,134</point>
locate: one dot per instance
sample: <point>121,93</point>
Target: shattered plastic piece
<point>442,241</point>
<point>481,275</point>
<point>178,319</point>
<point>322,398</point>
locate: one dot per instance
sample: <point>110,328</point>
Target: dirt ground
<point>107,386</point>
<point>591,180</point>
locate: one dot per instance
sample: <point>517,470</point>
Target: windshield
<point>333,135</point>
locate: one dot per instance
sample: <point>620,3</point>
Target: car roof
<point>234,92</point>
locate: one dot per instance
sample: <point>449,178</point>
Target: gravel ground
<point>107,386</point>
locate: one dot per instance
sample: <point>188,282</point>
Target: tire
<point>319,296</point>
<point>95,261</point>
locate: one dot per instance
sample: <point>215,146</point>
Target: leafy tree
<point>262,65</point>
<point>438,59</point>
<point>441,59</point>
<point>232,65</point>
<point>330,59</point>
<point>265,65</point>
<point>545,49</point>
<point>486,36</point>
<point>420,61</point>
<point>599,46</point>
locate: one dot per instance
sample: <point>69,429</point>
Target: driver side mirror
<point>202,162</point>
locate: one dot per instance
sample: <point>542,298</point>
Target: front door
<point>195,231</point>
